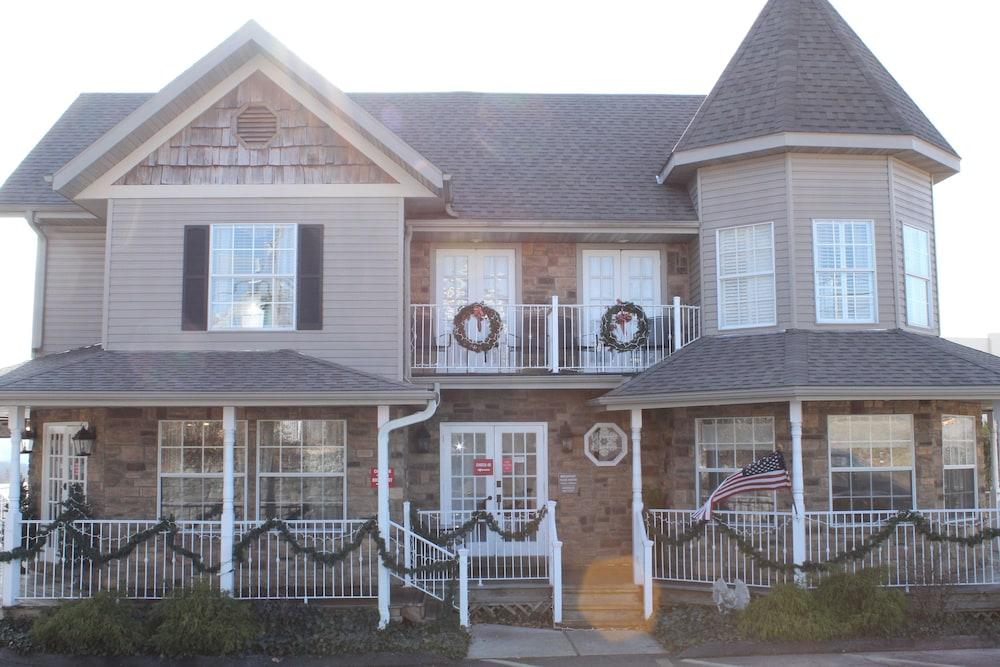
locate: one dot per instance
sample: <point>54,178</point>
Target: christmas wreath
<point>479,311</point>
<point>619,315</point>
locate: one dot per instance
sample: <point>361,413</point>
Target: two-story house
<point>265,297</point>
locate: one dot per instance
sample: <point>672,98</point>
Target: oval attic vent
<point>256,126</point>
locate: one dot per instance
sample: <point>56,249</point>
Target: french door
<point>465,276</point>
<point>500,468</point>
<point>60,469</point>
<point>625,275</point>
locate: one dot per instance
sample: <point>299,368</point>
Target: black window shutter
<point>310,278</point>
<point>194,305</point>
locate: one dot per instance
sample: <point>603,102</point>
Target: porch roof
<point>92,376</point>
<point>812,365</point>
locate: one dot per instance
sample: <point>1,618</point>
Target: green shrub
<point>860,605</point>
<point>842,605</point>
<point>787,613</point>
<point>15,634</point>
<point>201,621</point>
<point>101,625</point>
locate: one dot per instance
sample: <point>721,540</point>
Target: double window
<point>917,270</point>
<point>301,469</point>
<point>725,445</point>
<point>190,465</point>
<point>871,462</point>
<point>746,276</point>
<point>844,261</point>
<point>252,276</point>
<point>958,447</point>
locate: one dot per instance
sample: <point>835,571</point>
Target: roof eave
<point>925,155</point>
<point>803,393</point>
<point>51,399</point>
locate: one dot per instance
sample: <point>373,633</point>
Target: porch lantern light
<point>27,439</point>
<point>83,441</point>
<point>422,440</point>
<point>566,437</point>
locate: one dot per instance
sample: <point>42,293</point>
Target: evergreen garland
<point>444,538</point>
<point>867,546</point>
<point>618,315</point>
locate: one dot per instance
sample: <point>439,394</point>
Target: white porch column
<point>12,531</point>
<point>994,450</point>
<point>798,488</point>
<point>636,416</point>
<point>228,492</point>
<point>383,517</point>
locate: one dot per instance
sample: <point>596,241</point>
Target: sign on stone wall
<point>373,477</point>
<point>567,483</point>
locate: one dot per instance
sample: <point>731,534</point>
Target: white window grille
<point>746,276</point>
<point>844,262</point>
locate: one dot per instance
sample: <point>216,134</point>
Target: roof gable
<point>801,68</point>
<point>251,48</point>
<point>304,149</point>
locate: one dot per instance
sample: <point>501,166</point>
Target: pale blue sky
<point>944,54</point>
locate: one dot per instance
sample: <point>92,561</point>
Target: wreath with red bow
<point>481,313</point>
<point>619,316</point>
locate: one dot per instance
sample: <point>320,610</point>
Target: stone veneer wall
<point>122,472</point>
<point>594,522</point>
<point>548,268</point>
<point>675,428</point>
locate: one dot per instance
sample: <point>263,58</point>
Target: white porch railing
<point>272,570</point>
<point>907,558</point>
<point>547,338</point>
<point>491,558</point>
<point>412,550</point>
<point>151,571</point>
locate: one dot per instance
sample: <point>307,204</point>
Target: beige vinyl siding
<point>842,187</point>
<point>694,277</point>
<point>362,277</point>
<point>913,204</point>
<point>743,193</point>
<point>74,286</point>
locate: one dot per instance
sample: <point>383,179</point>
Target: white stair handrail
<point>555,567</point>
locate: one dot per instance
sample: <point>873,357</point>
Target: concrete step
<point>595,617</point>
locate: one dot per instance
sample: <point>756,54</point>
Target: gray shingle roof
<point>801,68</point>
<point>798,358</point>
<point>92,369</point>
<point>511,156</point>
<point>86,119</point>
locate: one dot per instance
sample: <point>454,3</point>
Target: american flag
<point>765,474</point>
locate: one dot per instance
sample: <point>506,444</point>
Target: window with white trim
<point>871,462</point>
<point>844,263</point>
<point>252,271</point>
<point>917,270</point>
<point>190,469</point>
<point>746,276</point>
<point>301,469</point>
<point>958,451</point>
<point>724,446</point>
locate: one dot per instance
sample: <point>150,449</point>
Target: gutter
<point>384,430</point>
<point>41,253</point>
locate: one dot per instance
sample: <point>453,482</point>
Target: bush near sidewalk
<point>204,622</point>
<point>842,606</point>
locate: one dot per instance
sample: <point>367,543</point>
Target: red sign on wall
<point>373,477</point>
<point>482,467</point>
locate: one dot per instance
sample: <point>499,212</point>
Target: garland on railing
<point>443,538</point>
<point>870,543</point>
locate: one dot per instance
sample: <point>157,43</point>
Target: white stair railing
<point>414,551</point>
<point>555,564</point>
<point>643,548</point>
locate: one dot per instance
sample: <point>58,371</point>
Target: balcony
<point>547,339</point>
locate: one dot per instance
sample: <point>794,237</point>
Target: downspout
<point>41,252</point>
<point>384,429</point>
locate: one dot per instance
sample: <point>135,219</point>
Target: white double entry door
<point>498,467</point>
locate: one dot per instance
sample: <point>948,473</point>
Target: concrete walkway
<point>503,641</point>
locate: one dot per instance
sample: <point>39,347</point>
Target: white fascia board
<point>197,399</point>
<point>785,394</point>
<point>251,32</point>
<point>790,140</point>
<point>406,185</point>
<point>556,226</point>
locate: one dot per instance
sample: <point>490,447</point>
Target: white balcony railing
<point>906,558</point>
<point>548,338</point>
